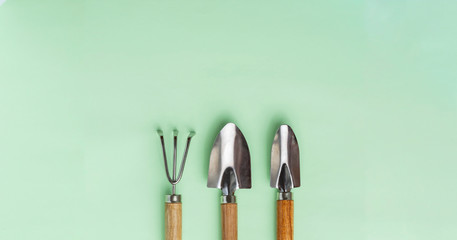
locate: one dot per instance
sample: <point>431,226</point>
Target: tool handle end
<point>173,221</point>
<point>229,221</point>
<point>285,219</point>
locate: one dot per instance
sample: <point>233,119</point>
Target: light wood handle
<point>285,219</point>
<point>173,221</point>
<point>229,221</point>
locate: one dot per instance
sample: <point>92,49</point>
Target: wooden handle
<point>285,219</point>
<point>173,221</point>
<point>229,221</point>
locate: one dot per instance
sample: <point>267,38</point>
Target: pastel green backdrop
<point>369,88</point>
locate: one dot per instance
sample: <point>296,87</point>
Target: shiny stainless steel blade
<point>285,160</point>
<point>230,162</point>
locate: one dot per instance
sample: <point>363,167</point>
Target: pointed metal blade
<point>230,162</point>
<point>285,160</point>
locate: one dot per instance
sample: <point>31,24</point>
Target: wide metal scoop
<point>285,175</point>
<point>285,160</point>
<point>229,170</point>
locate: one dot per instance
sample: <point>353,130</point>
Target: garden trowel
<point>229,170</point>
<point>285,175</point>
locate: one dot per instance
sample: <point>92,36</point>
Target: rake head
<point>175,178</point>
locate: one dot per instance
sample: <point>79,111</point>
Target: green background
<point>369,88</point>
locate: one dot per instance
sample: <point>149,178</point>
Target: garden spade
<point>229,170</point>
<point>285,175</point>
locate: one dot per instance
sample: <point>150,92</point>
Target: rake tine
<point>175,143</point>
<point>175,146</point>
<point>164,154</point>
<point>183,162</point>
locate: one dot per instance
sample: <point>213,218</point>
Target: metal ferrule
<point>173,198</point>
<point>285,196</point>
<point>228,199</point>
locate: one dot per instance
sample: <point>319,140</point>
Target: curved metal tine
<point>183,162</point>
<point>175,143</point>
<point>164,155</point>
